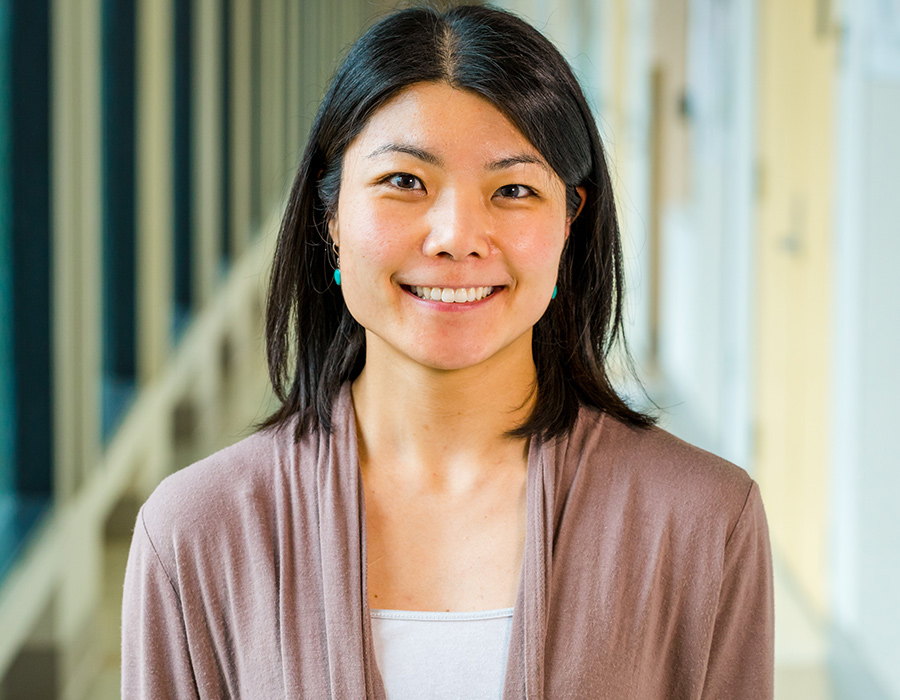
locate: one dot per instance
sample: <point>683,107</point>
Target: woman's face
<point>450,227</point>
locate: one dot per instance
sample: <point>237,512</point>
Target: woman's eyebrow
<point>414,151</point>
<point>521,158</point>
<point>429,157</point>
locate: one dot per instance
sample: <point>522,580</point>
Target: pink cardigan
<point>647,574</point>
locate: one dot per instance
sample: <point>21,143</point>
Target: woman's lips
<point>452,295</point>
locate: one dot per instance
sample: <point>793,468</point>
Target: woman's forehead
<point>436,120</point>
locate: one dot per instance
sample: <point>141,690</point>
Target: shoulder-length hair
<point>313,343</point>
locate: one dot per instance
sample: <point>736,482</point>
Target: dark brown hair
<point>313,343</point>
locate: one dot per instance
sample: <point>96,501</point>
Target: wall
<point>865,567</point>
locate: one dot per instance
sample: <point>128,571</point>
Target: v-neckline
<point>525,658</point>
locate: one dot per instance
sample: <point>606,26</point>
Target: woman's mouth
<point>452,295</point>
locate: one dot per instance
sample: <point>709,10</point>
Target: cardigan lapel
<point>352,672</point>
<point>524,677</point>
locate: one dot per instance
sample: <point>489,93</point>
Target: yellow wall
<point>796,83</point>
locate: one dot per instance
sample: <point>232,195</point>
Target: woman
<point>452,500</point>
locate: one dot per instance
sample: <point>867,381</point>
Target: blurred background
<point>146,148</point>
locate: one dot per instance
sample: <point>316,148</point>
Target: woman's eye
<point>405,181</point>
<point>515,191</point>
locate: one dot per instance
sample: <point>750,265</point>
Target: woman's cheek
<point>383,225</point>
<point>372,252</point>
<point>535,247</point>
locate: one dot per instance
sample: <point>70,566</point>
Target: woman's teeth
<point>452,296</point>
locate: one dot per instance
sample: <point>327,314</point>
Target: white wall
<point>707,244</point>
<point>866,528</point>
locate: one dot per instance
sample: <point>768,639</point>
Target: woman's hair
<point>313,343</point>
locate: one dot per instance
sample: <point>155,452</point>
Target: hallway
<point>149,147</point>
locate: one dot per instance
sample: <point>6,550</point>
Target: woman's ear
<point>333,231</point>
<point>582,196</point>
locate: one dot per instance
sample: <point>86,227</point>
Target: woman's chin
<point>462,356</point>
<point>451,361</point>
<point>448,353</point>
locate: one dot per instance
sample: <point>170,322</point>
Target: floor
<point>106,686</point>
<point>800,649</point>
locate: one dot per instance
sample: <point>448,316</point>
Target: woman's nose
<point>460,227</point>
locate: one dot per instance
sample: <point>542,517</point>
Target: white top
<point>442,655</point>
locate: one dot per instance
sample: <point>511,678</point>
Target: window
<point>183,228</point>
<point>119,241</point>
<point>26,377</point>
<point>225,135</point>
<point>256,140</point>
<point>7,376</point>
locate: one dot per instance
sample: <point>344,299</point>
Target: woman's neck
<point>443,430</point>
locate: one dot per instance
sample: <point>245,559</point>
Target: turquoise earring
<point>553,297</point>
<point>337,261</point>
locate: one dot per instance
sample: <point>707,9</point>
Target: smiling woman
<point>452,500</point>
<point>440,191</point>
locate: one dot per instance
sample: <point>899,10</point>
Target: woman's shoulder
<point>239,488</point>
<point>657,471</point>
